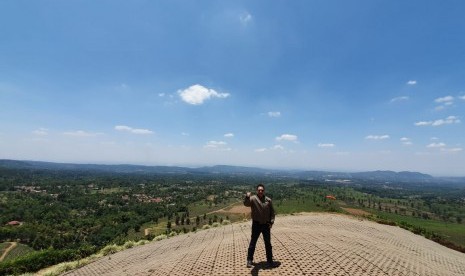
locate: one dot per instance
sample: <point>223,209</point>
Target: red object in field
<point>330,197</point>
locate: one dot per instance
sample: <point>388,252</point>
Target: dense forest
<point>68,214</point>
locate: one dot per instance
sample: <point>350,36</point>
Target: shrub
<point>110,249</point>
<point>37,260</point>
<point>142,242</point>
<point>160,237</point>
<point>129,244</point>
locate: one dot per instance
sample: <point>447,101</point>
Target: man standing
<point>262,220</point>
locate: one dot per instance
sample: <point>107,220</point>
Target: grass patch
<point>452,232</point>
<point>18,251</point>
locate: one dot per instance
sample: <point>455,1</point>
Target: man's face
<point>260,191</point>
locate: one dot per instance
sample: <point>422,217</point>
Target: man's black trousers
<point>258,229</point>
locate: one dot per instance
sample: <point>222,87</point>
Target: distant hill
<point>377,176</point>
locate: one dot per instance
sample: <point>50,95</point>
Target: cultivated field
<point>306,244</point>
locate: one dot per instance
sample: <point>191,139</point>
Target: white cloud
<point>217,145</point>
<point>436,145</point>
<point>185,134</point>
<point>41,131</point>
<point>287,137</point>
<point>82,133</point>
<point>397,99</point>
<point>197,94</point>
<point>462,97</point>
<point>245,18</point>
<point>439,108</point>
<point>406,141</point>
<point>277,147</point>
<point>326,145</point>
<point>377,137</point>
<point>449,120</point>
<point>161,94</point>
<point>133,130</point>
<point>274,114</point>
<point>412,82</point>
<point>229,135</point>
<point>423,123</point>
<point>446,99</point>
<point>452,150</point>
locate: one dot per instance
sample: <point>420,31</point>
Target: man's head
<point>260,190</point>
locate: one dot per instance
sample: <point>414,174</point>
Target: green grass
<point>18,251</point>
<point>451,231</point>
<point>201,207</point>
<point>305,205</point>
<point>3,247</point>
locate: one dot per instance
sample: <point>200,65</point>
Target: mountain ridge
<point>378,175</point>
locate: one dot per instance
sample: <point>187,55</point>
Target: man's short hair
<point>261,185</point>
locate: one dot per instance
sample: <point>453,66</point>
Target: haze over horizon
<point>315,85</point>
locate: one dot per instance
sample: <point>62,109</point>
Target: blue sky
<point>331,85</point>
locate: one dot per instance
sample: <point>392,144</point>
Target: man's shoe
<point>271,264</point>
<point>249,264</point>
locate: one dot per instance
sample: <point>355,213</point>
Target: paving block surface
<point>305,244</point>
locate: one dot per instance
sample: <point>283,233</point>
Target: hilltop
<point>306,244</point>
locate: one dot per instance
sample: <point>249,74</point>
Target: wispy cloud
<point>229,135</point>
<point>287,137</point>
<point>444,99</point>
<point>398,99</point>
<point>444,102</point>
<point>133,130</point>
<point>274,114</point>
<point>412,82</point>
<point>217,145</point>
<point>406,141</point>
<point>40,132</point>
<point>462,97</point>
<point>449,120</point>
<point>451,150</point>
<point>245,18</point>
<point>436,145</point>
<point>326,145</point>
<point>277,147</point>
<point>442,147</point>
<point>273,148</point>
<point>197,94</point>
<point>82,133</point>
<point>377,137</point>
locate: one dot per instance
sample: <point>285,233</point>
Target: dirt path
<point>233,209</point>
<point>224,208</point>
<point>12,245</point>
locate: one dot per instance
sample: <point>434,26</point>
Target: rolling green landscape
<point>64,214</point>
